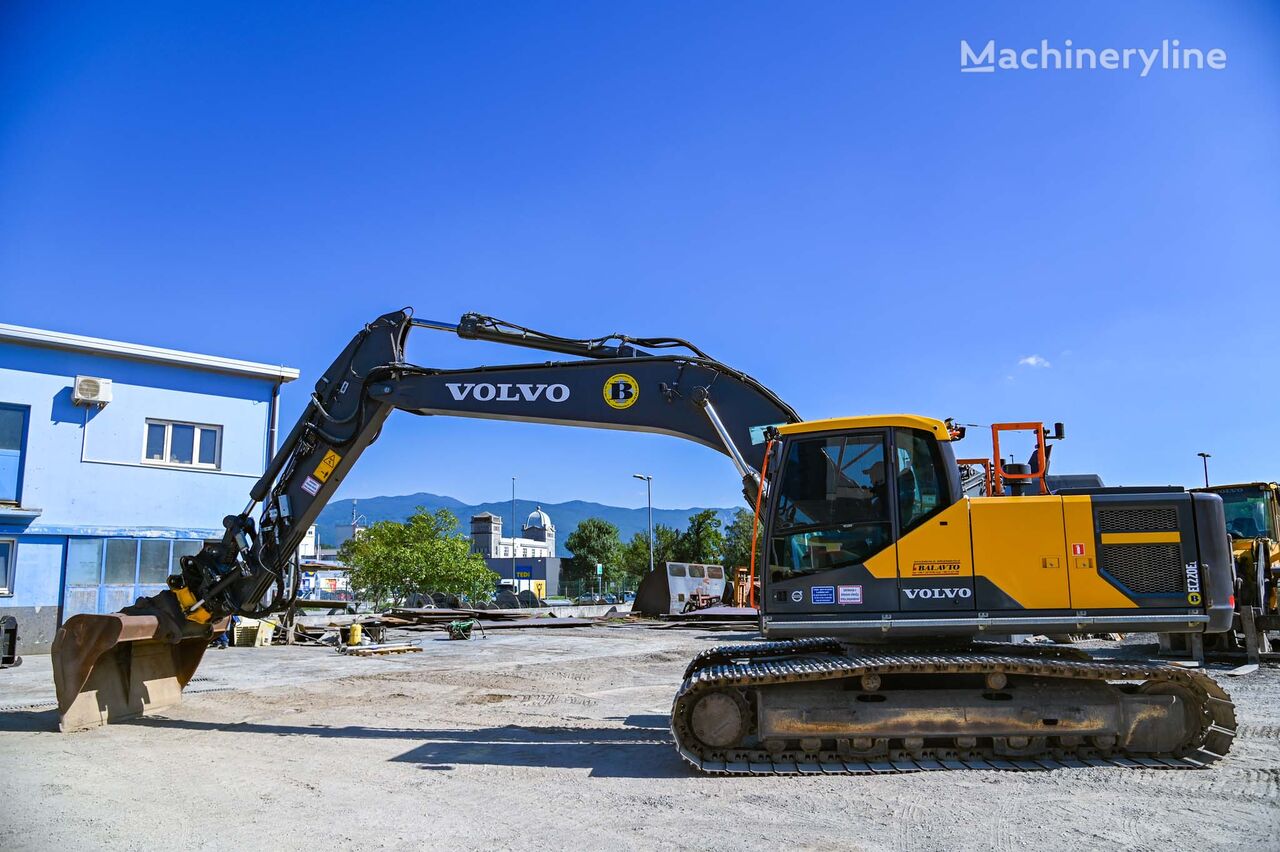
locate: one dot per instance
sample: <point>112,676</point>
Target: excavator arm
<point>120,665</point>
<point>610,386</point>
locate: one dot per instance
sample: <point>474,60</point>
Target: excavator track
<point>738,674</point>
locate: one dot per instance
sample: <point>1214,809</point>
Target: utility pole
<point>1205,457</point>
<point>514,585</point>
<point>648,481</point>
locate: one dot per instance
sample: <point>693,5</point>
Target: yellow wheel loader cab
<point>1253,523</point>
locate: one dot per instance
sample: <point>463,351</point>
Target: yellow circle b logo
<point>1194,598</point>
<point>621,391</point>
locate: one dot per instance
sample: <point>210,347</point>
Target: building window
<point>13,441</point>
<point>105,574</point>
<point>8,556</point>
<point>188,444</point>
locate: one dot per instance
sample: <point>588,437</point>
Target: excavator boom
<point>110,667</point>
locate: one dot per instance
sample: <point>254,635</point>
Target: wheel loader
<point>882,583</point>
<point>1253,523</point>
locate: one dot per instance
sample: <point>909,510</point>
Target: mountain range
<point>565,516</point>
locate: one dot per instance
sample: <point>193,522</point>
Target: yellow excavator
<point>884,588</point>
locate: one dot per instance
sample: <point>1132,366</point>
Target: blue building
<point>116,460</point>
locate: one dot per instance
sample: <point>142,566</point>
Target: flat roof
<point>871,421</point>
<point>138,352</point>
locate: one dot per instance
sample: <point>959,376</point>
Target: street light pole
<point>1205,457</point>
<point>648,482</point>
<point>514,585</point>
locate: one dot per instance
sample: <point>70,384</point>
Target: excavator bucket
<point>107,668</point>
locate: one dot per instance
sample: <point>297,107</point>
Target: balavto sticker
<point>822,594</point>
<point>797,596</point>
<point>847,595</point>
<point>621,391</point>
<point>311,485</point>
<point>935,569</point>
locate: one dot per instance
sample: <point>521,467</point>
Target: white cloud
<point>1033,361</point>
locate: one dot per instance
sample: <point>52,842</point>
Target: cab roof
<point>1260,485</point>
<point>870,421</point>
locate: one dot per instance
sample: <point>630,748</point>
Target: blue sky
<point>811,192</point>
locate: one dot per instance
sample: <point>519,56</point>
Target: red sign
<point>1077,550</point>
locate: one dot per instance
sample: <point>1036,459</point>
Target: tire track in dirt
<point>907,824</point>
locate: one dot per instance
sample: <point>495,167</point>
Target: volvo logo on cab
<point>939,594</point>
<point>485,392</point>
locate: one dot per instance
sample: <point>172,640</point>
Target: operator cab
<point>1252,509</point>
<point>844,492</point>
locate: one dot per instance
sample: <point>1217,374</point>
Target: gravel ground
<point>553,739</point>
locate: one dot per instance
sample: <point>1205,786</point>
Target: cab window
<point>919,483</point>
<point>833,505</point>
<point>1248,515</point>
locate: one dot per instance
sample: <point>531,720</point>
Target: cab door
<point>830,548</point>
<point>935,558</point>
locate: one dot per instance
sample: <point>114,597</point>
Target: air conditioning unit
<point>91,391</point>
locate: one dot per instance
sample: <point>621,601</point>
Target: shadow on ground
<point>640,749</point>
<point>29,720</point>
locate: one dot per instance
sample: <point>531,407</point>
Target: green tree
<point>702,540</point>
<point>594,541</point>
<point>376,557</point>
<point>635,557</point>
<point>390,560</point>
<point>666,544</point>
<point>737,540</point>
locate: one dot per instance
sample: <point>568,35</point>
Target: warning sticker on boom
<point>935,569</point>
<point>326,466</point>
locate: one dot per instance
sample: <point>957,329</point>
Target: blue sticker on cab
<point>822,594</point>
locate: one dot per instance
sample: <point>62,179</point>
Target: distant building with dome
<point>529,561</point>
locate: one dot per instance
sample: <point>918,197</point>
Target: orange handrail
<point>999,474</point>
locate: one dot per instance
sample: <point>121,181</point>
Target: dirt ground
<point>550,739</point>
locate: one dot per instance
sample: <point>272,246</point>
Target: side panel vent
<point>1146,569</point>
<point>1138,519</point>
